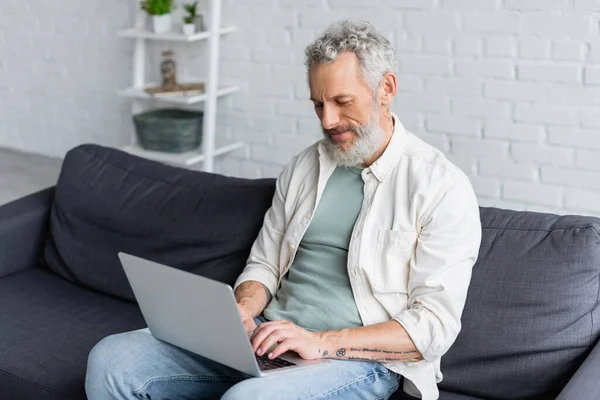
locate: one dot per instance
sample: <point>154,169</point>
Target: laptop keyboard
<point>265,363</point>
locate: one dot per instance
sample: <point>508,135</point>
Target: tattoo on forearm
<point>325,354</point>
<point>372,359</point>
<point>384,351</point>
<point>269,296</point>
<point>381,359</point>
<point>408,355</point>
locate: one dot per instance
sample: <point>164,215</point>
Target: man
<point>364,258</point>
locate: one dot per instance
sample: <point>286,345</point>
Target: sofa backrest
<point>108,201</point>
<point>532,311</point>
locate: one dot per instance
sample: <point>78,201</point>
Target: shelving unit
<point>210,146</point>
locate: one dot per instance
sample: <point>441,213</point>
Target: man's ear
<point>387,90</point>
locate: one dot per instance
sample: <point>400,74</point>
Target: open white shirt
<point>412,248</point>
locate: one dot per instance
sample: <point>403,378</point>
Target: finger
<point>262,331</point>
<point>261,334</point>
<point>277,336</point>
<point>243,312</point>
<point>285,345</point>
<point>249,319</point>
<point>250,325</point>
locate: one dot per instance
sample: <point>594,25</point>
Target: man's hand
<point>289,336</point>
<point>247,319</point>
<point>252,298</point>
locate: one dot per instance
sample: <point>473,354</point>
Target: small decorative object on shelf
<point>160,10</point>
<point>189,26</point>
<point>169,130</point>
<point>170,87</point>
<point>168,70</point>
<point>200,26</point>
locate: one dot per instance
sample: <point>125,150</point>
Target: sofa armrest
<point>23,230</point>
<point>585,384</point>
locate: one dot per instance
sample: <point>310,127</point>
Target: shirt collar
<point>388,160</point>
<point>385,163</point>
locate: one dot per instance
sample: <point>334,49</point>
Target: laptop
<point>200,315</point>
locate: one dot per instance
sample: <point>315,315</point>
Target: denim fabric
<point>135,365</point>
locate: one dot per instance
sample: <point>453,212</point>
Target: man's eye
<point>318,105</point>
<point>343,103</point>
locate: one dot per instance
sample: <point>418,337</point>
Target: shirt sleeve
<point>263,263</point>
<point>440,271</point>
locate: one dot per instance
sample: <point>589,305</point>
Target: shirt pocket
<point>393,253</point>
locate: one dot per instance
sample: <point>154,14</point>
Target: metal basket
<point>169,130</point>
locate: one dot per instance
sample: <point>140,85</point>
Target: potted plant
<point>160,10</point>
<point>189,26</point>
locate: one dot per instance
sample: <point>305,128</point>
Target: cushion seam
<point>28,382</point>
<point>592,312</point>
<point>541,229</point>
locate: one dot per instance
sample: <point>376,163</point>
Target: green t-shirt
<point>315,293</point>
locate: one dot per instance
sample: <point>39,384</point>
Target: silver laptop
<point>200,315</point>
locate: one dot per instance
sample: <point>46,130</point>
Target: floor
<point>22,174</point>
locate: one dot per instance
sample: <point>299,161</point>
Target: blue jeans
<point>136,365</point>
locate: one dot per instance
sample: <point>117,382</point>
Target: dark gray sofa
<point>531,324</point>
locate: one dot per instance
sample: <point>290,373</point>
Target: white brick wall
<point>508,89</point>
<point>60,68</point>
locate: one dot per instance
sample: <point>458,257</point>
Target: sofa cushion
<point>109,201</point>
<point>532,312</point>
<point>47,329</point>
<point>400,395</point>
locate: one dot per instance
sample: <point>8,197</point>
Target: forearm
<point>254,296</point>
<point>383,342</point>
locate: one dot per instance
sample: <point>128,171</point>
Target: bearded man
<point>364,257</point>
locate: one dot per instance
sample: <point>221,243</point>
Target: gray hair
<point>374,52</point>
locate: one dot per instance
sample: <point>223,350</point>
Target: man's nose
<point>330,117</point>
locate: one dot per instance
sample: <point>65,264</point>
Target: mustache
<point>340,129</point>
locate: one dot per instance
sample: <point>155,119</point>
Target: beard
<point>369,138</point>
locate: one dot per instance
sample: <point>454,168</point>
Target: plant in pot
<point>189,26</point>
<point>160,10</point>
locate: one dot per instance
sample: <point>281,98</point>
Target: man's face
<point>344,104</point>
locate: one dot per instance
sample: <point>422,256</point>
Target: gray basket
<point>169,130</point>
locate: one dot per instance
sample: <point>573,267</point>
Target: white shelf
<point>182,159</point>
<point>141,100</point>
<point>140,93</point>
<point>140,33</point>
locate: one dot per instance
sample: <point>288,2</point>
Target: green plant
<point>157,7</point>
<point>190,8</point>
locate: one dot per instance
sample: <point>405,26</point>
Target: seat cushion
<point>400,395</point>
<point>108,201</point>
<point>532,309</point>
<point>48,327</point>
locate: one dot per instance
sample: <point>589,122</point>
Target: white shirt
<point>412,248</point>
